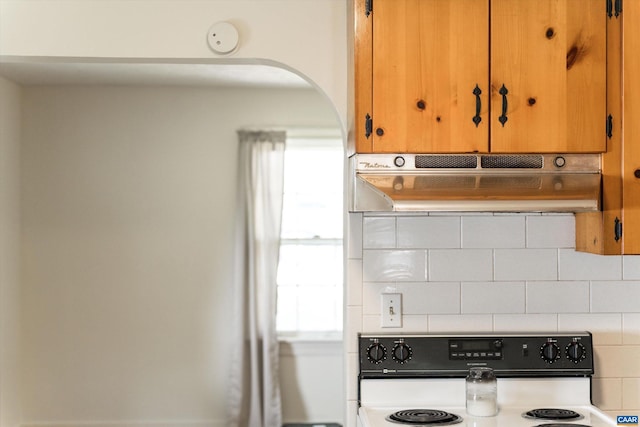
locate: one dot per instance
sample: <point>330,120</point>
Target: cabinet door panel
<point>551,57</point>
<point>631,129</point>
<point>428,57</point>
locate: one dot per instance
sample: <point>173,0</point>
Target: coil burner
<point>552,414</point>
<point>424,417</point>
<point>561,425</point>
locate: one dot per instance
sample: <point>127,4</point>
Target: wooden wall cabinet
<point>417,63</point>
<point>616,230</point>
<point>503,76</point>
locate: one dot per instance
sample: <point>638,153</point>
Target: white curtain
<point>254,390</point>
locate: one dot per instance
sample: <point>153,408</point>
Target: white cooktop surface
<point>507,417</point>
<point>380,398</point>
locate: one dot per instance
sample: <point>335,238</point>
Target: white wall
<point>9,254</point>
<point>128,201</point>
<point>481,273</point>
<point>309,36</point>
<point>312,380</point>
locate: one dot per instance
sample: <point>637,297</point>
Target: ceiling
<point>150,74</point>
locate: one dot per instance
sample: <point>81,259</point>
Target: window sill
<point>310,344</point>
<point>309,336</point>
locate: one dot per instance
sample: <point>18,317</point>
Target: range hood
<point>475,182</point>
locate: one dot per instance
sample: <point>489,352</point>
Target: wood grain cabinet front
<point>504,76</point>
<point>616,229</point>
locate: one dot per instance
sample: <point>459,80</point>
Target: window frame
<point>318,138</point>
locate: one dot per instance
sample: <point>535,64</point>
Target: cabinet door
<point>548,75</point>
<point>428,58</point>
<point>631,129</point>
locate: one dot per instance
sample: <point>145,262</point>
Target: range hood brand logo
<point>374,165</point>
<point>627,420</point>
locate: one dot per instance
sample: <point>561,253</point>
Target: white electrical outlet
<point>391,310</point>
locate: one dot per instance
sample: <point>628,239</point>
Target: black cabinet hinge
<point>609,126</point>
<point>617,229</point>
<point>614,8</point>
<point>368,126</point>
<point>368,7</point>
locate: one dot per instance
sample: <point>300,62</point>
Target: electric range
<point>542,380</point>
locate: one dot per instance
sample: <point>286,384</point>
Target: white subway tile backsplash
<point>493,297</point>
<point>393,265</point>
<point>456,265</point>
<point>354,232</point>
<point>429,232</point>
<point>460,323</point>
<point>551,231</point>
<point>483,272</point>
<point>617,361</point>
<point>371,324</point>
<point>631,328</point>
<point>379,232</point>
<point>526,264</point>
<point>417,298</point>
<point>607,393</point>
<point>583,266</point>
<point>606,328</point>
<point>493,231</point>
<point>558,297</point>
<point>354,282</point>
<point>631,394</point>
<point>525,322</point>
<point>354,326</point>
<point>631,267</point>
<point>615,297</point>
<point>434,298</point>
<point>412,323</point>
<point>371,291</point>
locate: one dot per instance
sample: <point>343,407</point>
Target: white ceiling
<point>152,74</point>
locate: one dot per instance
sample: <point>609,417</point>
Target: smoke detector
<point>223,38</point>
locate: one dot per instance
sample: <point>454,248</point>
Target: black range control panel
<point>476,348</point>
<point>514,355</point>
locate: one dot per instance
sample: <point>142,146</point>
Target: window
<point>310,282</point>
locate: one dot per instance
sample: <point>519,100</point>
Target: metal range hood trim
<point>372,191</point>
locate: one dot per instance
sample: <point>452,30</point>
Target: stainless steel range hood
<point>475,182</point>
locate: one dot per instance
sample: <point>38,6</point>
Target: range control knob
<point>402,352</point>
<point>576,352</point>
<point>376,352</point>
<point>550,352</point>
<point>497,344</point>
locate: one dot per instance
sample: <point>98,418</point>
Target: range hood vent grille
<point>446,162</point>
<point>471,161</point>
<point>512,162</point>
